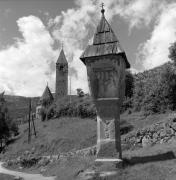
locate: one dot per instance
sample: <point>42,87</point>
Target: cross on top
<point>102,5</point>
<point>102,10</point>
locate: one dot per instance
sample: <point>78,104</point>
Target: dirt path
<point>26,176</point>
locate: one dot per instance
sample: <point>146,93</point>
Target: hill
<point>151,91</point>
<point>65,135</point>
<point>18,105</point>
<point>55,136</point>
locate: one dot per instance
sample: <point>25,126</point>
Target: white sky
<point>31,33</point>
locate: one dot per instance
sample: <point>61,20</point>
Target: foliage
<point>4,129</point>
<point>43,113</point>
<point>13,127</point>
<point>172,52</point>
<point>47,112</point>
<point>129,81</point>
<point>7,126</point>
<point>77,107</point>
<point>80,92</point>
<point>154,90</point>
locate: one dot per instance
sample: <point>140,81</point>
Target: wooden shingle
<point>105,42</point>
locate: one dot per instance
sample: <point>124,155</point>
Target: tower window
<point>61,67</point>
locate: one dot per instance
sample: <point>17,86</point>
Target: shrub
<point>78,107</point>
<point>154,90</point>
<point>43,114</point>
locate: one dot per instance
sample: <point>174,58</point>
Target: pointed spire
<point>104,33</point>
<point>62,45</point>
<point>47,95</point>
<point>62,59</point>
<point>105,42</point>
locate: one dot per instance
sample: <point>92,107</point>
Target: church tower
<point>61,76</point>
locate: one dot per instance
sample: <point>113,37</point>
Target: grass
<point>65,134</point>
<point>6,177</point>
<point>139,121</point>
<point>153,163</point>
<point>18,106</point>
<point>55,136</point>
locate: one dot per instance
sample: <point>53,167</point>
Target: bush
<point>43,114</point>
<point>154,90</point>
<point>78,107</point>
<point>13,127</point>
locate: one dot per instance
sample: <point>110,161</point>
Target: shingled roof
<point>47,95</point>
<point>62,59</point>
<point>105,42</point>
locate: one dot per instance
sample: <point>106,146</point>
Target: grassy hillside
<point>6,177</point>
<point>154,90</point>
<point>65,134</point>
<point>18,105</point>
<point>68,134</point>
<point>54,136</point>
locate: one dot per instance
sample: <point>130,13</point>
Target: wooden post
<point>34,126</point>
<point>29,122</point>
<point>1,145</point>
<point>70,89</point>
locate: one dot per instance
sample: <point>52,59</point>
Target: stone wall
<point>162,132</point>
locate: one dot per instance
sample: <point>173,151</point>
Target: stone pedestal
<point>108,129</point>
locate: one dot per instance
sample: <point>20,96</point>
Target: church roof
<point>62,59</point>
<point>105,42</point>
<point>47,95</point>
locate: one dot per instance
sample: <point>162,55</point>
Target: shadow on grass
<point>9,141</point>
<point>12,140</point>
<point>125,127</point>
<point>145,159</point>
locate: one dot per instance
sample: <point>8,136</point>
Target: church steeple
<point>62,59</point>
<point>61,76</point>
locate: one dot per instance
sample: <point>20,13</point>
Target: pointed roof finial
<point>102,10</point>
<point>62,45</point>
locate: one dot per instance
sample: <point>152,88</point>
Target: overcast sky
<point>31,32</point>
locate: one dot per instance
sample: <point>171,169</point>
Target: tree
<point>7,126</point>
<point>129,88</point>
<point>80,92</point>
<point>4,129</point>
<point>172,52</point>
<point>155,90</point>
<point>129,82</point>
